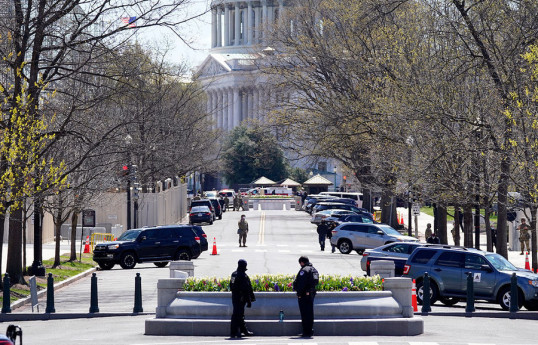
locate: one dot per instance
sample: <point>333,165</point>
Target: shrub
<point>281,282</point>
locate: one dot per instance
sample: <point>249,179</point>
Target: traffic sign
<point>416,209</point>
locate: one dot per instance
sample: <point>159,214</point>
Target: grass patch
<point>66,270</point>
<point>450,211</point>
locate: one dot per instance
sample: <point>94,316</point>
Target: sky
<point>197,32</point>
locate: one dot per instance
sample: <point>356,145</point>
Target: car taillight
<point>197,238</point>
<point>5,342</point>
<point>192,214</point>
<point>334,232</point>
<point>365,254</point>
<point>208,214</point>
<point>204,235</point>
<point>406,269</point>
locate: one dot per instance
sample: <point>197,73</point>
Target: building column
<point>213,27</point>
<point>244,105</point>
<point>250,104</point>
<point>218,108</point>
<point>226,26</point>
<point>219,26</point>
<point>230,109</point>
<point>249,23</point>
<point>265,20</point>
<point>257,25</point>
<point>224,111</point>
<point>255,103</point>
<point>280,11</point>
<point>236,107</point>
<point>237,24</point>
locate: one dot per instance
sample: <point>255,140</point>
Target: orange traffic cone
<point>414,296</point>
<point>87,245</point>
<point>527,265</point>
<point>214,247</point>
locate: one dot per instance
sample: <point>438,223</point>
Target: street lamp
<point>335,189</point>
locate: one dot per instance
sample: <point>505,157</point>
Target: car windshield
<point>390,231</point>
<point>129,235</point>
<point>200,209</point>
<point>500,263</point>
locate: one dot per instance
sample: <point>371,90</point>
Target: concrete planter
<point>272,204</point>
<point>336,313</point>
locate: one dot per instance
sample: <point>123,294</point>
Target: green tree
<point>252,152</point>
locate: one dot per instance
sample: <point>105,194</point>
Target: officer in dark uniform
<point>323,230</point>
<point>305,286</point>
<point>242,295</point>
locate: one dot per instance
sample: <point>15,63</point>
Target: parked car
<point>326,214</point>
<point>448,267</point>
<point>204,245</point>
<point>200,214</point>
<point>204,202</point>
<point>12,332</point>
<point>217,207</point>
<point>312,200</point>
<point>337,219</point>
<point>360,236</point>
<point>159,245</point>
<point>398,252</point>
<point>321,206</point>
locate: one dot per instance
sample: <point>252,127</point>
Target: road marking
<point>282,245</point>
<point>261,250</point>
<point>261,233</point>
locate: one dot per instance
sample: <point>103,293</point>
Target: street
<point>276,240</point>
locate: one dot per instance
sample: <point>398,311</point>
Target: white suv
<point>360,236</point>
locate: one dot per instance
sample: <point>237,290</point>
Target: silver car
<point>360,236</point>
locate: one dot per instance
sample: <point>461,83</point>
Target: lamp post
<point>335,189</point>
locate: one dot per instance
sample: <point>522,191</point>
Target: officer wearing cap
<point>242,295</point>
<point>305,286</point>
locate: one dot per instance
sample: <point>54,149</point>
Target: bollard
<point>50,295</point>
<point>6,304</point>
<point>94,308</point>
<point>138,294</point>
<point>426,307</point>
<point>514,306</point>
<point>470,293</point>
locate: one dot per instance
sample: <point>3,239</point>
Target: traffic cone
<point>214,247</point>
<point>87,245</point>
<point>414,296</point>
<point>527,265</point>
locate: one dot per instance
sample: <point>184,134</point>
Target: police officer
<point>242,230</point>
<point>226,202</point>
<point>323,230</point>
<point>524,236</point>
<point>305,286</point>
<point>242,295</point>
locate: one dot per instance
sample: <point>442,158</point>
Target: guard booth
<point>317,184</point>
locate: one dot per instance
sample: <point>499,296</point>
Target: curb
<point>27,300</point>
<point>493,315</point>
<point>61,316</point>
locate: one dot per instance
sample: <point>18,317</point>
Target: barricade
<point>100,238</point>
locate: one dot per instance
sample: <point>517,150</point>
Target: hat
<point>242,264</point>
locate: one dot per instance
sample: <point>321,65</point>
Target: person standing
<point>428,232</point>
<point>226,202</point>
<point>242,230</point>
<point>242,295</point>
<point>433,239</point>
<point>524,236</point>
<point>323,230</point>
<point>305,287</point>
<point>235,203</point>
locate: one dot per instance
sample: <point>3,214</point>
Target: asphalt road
<point>276,240</point>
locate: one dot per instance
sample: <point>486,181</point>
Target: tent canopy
<point>317,180</point>
<point>263,181</point>
<point>289,183</point>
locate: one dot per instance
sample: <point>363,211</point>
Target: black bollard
<point>6,304</point>
<point>94,308</point>
<point>50,295</point>
<point>470,293</point>
<point>426,305</point>
<point>138,294</point>
<point>514,306</point>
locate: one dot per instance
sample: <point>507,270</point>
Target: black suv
<point>216,205</point>
<point>205,202</point>
<point>159,245</point>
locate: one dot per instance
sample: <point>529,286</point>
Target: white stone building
<point>236,90</point>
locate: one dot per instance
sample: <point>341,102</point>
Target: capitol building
<point>236,90</point>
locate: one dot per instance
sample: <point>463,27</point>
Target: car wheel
<point>531,305</point>
<point>161,264</point>
<point>449,301</point>
<point>211,222</point>
<point>106,265</point>
<point>504,298</point>
<point>434,292</point>
<point>220,217</point>
<point>128,260</point>
<point>345,247</point>
<point>182,254</point>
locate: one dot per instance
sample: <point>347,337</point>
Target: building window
<point>322,166</point>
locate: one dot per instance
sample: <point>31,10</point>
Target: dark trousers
<point>238,324</point>
<point>322,241</point>
<point>306,306</point>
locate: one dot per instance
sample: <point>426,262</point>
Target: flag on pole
<point>129,21</point>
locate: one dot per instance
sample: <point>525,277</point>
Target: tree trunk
<point>388,209</point>
<point>533,237</point>
<point>74,221</point>
<point>489,237</point>
<point>367,200</point>
<point>14,254</point>
<point>2,222</point>
<point>442,233</point>
<point>502,198</point>
<point>468,226</point>
<point>24,215</point>
<point>457,239</point>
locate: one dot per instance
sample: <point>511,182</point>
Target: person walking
<point>242,295</point>
<point>428,232</point>
<point>524,236</point>
<point>305,287</point>
<point>242,230</point>
<point>323,230</point>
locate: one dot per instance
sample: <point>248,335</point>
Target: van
<point>230,193</point>
<point>348,195</point>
